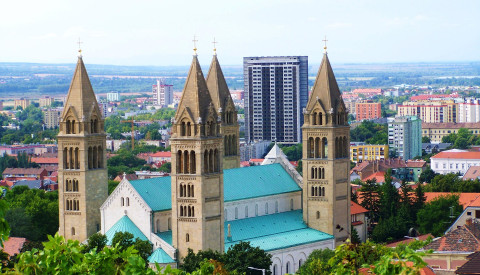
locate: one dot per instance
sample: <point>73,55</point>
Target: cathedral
<point>209,202</point>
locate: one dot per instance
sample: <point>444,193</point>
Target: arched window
<point>256,210</point>
<point>299,263</point>
<point>77,155</point>
<point>128,201</point>
<point>75,185</point>
<point>311,148</point>
<point>314,118</point>
<point>186,162</point>
<point>65,157</point>
<point>73,231</point>
<point>158,226</point>
<point>211,159</point>
<point>183,129</point>
<point>291,204</point>
<point>317,148</point>
<point>193,164</point>
<point>67,124</point>
<point>276,206</point>
<point>324,149</point>
<point>313,191</point>
<point>318,214</point>
<point>205,162</point>
<point>169,224</point>
<point>266,208</point>
<point>70,158</point>
<point>287,267</point>
<point>181,211</point>
<point>275,269</point>
<point>320,119</point>
<point>91,126</point>
<point>225,145</point>
<point>187,238</point>
<point>217,160</point>
<point>189,211</point>
<point>236,212</point>
<point>189,129</point>
<point>246,211</point>
<point>73,126</point>
<point>179,162</point>
<point>100,156</point>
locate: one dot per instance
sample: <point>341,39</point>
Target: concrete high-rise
<point>276,92</point>
<point>405,136</point>
<point>162,93</point>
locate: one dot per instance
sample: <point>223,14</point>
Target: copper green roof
<point>273,232</point>
<point>160,256</point>
<point>239,183</point>
<point>166,236</point>
<point>125,225</point>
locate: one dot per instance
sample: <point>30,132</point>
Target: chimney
<point>468,222</point>
<point>229,236</point>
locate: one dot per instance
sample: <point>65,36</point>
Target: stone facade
<point>197,174</point>
<point>82,173</point>
<point>326,163</point>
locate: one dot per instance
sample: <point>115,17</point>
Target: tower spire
<point>194,45</point>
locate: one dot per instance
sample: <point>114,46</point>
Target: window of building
<point>187,238</point>
<point>122,201</point>
<point>236,212</point>
<point>128,201</point>
<point>73,231</point>
<point>266,208</point>
<point>256,210</point>
<point>246,211</point>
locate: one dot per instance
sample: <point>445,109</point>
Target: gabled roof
<point>465,199</point>
<point>196,98</point>
<point>472,173</point>
<point>356,208</point>
<point>23,171</point>
<point>472,266</point>
<point>125,225</point>
<point>42,160</point>
<point>161,154</point>
<point>325,89</point>
<point>160,256</point>
<point>239,183</point>
<point>13,245</point>
<point>462,239</point>
<point>217,86</point>
<point>80,95</point>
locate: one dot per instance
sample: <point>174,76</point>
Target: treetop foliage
<point>370,132</point>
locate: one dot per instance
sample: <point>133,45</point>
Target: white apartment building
<point>454,161</point>
<point>162,93</point>
<point>113,96</point>
<point>469,110</point>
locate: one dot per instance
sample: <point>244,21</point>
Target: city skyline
<point>161,33</point>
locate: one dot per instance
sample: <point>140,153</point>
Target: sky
<point>160,33</point>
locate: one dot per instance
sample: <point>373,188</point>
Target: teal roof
<point>160,256</point>
<point>166,236</point>
<point>124,225</point>
<point>238,183</point>
<point>272,232</point>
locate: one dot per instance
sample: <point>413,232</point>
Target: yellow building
<point>22,103</point>
<point>436,131</point>
<point>430,111</point>
<point>45,101</point>
<point>359,153</point>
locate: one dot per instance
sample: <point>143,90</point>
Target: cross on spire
<point>194,44</point>
<point>214,46</point>
<point>325,41</point>
<point>79,47</point>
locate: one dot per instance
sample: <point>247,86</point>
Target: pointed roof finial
<point>325,47</point>
<point>195,44</point>
<point>214,46</point>
<point>79,47</point>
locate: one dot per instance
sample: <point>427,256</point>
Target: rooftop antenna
<point>194,45</point>
<point>79,47</point>
<point>325,47</point>
<point>214,46</point>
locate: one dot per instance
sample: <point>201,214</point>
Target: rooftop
<point>472,173</point>
<point>124,224</point>
<point>239,183</point>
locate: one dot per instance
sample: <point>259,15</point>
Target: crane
<point>133,131</point>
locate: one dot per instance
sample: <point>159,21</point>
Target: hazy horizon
<point>150,33</point>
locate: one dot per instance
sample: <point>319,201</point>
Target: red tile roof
<point>356,208</point>
<point>409,240</point>
<point>257,160</point>
<point>472,173</point>
<point>457,155</point>
<point>463,239</point>
<point>45,160</point>
<point>23,171</point>
<point>162,155</point>
<point>13,245</point>
<point>465,199</point>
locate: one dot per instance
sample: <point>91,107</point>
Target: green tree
<point>193,261</point>
<point>355,238</point>
<point>427,175</point>
<point>122,240</point>
<point>96,242</point>
<point>317,262</point>
<point>438,214</point>
<point>389,197</point>
<point>112,185</point>
<point>166,167</point>
<point>242,255</point>
<point>426,139</point>
<point>370,199</point>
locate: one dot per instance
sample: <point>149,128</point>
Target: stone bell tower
<point>197,177</point>
<point>82,173</point>
<point>229,128</point>
<point>326,162</point>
